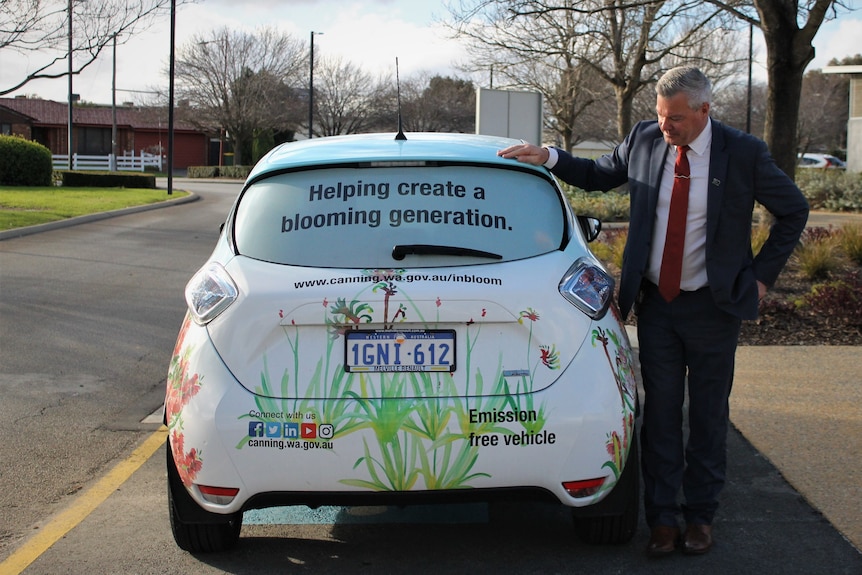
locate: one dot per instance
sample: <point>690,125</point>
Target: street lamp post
<point>311,83</point>
<point>171,74</point>
<point>750,57</point>
<point>113,163</point>
<point>71,96</point>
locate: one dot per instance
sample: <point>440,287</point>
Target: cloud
<point>369,33</point>
<point>839,40</point>
<point>375,40</point>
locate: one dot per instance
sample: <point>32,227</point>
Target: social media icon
<point>291,430</point>
<point>309,430</point>
<point>325,431</point>
<point>273,429</point>
<point>255,429</point>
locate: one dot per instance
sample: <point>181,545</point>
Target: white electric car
<point>388,320</point>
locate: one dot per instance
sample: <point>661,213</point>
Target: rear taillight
<point>210,292</point>
<point>218,495</point>
<point>584,487</point>
<point>588,287</point>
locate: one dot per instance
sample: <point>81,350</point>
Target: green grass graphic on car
<point>420,425</point>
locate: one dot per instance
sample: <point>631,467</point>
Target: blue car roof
<point>381,147</point>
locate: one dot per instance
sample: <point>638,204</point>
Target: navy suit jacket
<point>741,171</point>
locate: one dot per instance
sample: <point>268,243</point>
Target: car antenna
<point>400,135</point>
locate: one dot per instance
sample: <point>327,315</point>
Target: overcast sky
<point>369,33</point>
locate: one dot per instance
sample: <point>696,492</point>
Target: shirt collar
<point>701,144</point>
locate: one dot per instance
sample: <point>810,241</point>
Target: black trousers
<point>687,340</point>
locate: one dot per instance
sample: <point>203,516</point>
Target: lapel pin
<point>716,182</point>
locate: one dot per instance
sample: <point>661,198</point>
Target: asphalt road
<point>88,318</point>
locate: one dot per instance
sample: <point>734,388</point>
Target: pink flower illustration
<point>188,463</point>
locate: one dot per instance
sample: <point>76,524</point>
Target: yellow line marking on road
<point>82,506</point>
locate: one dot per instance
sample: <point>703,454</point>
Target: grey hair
<point>688,80</point>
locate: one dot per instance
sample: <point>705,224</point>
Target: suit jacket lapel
<point>656,167</point>
<point>718,162</point>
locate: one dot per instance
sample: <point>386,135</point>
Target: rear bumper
<point>350,450</point>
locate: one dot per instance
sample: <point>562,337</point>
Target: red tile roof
<point>51,113</point>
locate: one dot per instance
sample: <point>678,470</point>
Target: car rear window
<point>410,216</point>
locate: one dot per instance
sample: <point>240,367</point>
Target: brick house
<point>138,130</point>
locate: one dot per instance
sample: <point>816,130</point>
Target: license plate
<point>389,350</point>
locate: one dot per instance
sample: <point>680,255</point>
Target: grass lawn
<point>29,206</point>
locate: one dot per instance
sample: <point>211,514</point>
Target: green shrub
<point>832,190</point>
<point>816,257</point>
<point>236,172</point>
<point>850,240</point>
<point>96,179</point>
<point>759,234</point>
<point>610,206</point>
<point>840,301</point>
<point>203,171</point>
<point>610,246</point>
<point>24,163</point>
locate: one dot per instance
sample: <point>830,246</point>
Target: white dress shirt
<point>694,254</point>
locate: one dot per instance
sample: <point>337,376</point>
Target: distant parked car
<point>820,161</point>
<point>387,321</point>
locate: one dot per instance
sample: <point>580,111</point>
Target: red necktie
<point>671,261</point>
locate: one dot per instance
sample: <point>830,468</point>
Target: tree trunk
<point>785,69</point>
<point>789,51</point>
<point>567,139</point>
<point>625,103</point>
<point>782,115</point>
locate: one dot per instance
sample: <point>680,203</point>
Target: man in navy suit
<point>689,331</point>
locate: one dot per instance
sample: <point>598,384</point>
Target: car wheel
<point>616,528</point>
<point>218,533</point>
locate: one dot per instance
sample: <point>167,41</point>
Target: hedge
<point>235,172</point>
<point>24,163</point>
<point>95,179</point>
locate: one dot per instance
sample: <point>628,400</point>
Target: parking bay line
<point>82,506</point>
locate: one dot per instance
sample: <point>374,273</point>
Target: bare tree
<point>730,106</point>
<point>345,97</point>
<point>626,43</point>
<point>40,30</point>
<point>788,31</point>
<point>529,53</point>
<point>19,19</point>
<point>438,104</point>
<point>242,83</point>
<point>823,121</point>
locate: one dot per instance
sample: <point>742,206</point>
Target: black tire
<point>614,529</point>
<point>219,533</point>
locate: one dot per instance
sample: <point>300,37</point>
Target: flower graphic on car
<point>529,314</point>
<point>550,356</point>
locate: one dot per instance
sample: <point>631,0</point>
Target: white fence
<point>126,162</point>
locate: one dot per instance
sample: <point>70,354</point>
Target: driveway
<point>88,317</point>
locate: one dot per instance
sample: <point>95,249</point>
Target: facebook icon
<point>255,429</point>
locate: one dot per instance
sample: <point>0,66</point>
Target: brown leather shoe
<point>697,540</point>
<point>662,541</point>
